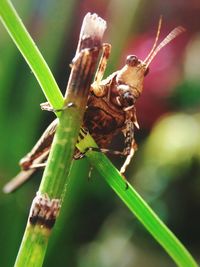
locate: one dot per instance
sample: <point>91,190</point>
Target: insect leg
<point>80,155</point>
<point>19,179</point>
<point>97,88</point>
<point>41,148</point>
<point>98,76</point>
<point>38,165</point>
<point>34,159</point>
<point>130,145</point>
<point>47,107</point>
<point>24,175</point>
<point>103,62</point>
<point>98,149</point>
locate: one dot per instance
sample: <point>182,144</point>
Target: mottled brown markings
<point>44,211</point>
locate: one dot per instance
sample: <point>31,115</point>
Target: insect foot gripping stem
<point>46,106</point>
<point>44,211</point>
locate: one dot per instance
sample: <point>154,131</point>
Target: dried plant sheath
<point>84,62</point>
<point>47,203</point>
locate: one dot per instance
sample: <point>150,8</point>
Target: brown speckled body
<point>103,119</point>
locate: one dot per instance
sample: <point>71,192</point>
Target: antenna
<point>156,39</point>
<point>173,34</point>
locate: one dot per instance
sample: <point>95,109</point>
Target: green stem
<point>137,205</point>
<point>34,246</point>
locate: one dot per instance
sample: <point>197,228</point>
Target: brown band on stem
<point>44,211</point>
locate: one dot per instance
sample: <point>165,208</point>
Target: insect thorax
<point>103,118</point>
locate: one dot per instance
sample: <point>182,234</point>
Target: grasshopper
<point>110,110</point>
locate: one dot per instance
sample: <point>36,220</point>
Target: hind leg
<point>130,145</point>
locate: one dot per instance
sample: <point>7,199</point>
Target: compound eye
<point>128,99</point>
<point>132,60</point>
<point>146,71</point>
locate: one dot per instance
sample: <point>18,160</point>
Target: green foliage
<point>130,197</point>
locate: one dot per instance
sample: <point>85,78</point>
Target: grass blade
<point>31,54</point>
<point>137,205</point>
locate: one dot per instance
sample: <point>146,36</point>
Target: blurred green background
<point>95,228</point>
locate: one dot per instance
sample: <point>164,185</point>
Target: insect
<point>110,109</point>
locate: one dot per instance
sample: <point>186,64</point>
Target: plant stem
<point>137,205</point>
<point>35,239</point>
